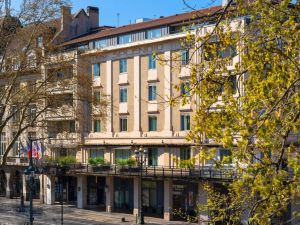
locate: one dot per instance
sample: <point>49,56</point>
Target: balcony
<point>15,160</point>
<point>199,172</point>
<point>60,113</point>
<point>64,140</point>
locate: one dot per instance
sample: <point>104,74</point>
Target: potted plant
<point>127,165</point>
<point>99,164</point>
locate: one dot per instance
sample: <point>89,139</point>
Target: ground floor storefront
<point>122,194</point>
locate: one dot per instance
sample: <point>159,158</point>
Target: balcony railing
<point>200,172</point>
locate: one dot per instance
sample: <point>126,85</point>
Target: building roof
<point>184,17</point>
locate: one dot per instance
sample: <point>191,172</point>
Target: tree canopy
<point>248,83</point>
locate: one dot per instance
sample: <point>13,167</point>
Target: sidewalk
<point>51,215</point>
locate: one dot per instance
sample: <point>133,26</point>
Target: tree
<point>25,40</point>
<point>248,83</point>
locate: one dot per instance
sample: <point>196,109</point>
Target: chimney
<point>93,13</point>
<point>66,18</point>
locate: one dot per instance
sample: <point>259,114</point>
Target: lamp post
<point>31,171</point>
<point>60,173</point>
<point>141,156</point>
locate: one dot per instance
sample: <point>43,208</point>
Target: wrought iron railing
<point>197,172</point>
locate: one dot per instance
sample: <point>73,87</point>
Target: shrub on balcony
<point>98,161</point>
<point>50,160</point>
<point>187,164</point>
<point>126,162</point>
<point>67,160</point>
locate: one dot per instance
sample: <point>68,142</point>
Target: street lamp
<point>141,156</point>
<point>60,172</point>
<point>31,171</point>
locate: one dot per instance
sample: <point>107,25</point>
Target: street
<point>51,215</point>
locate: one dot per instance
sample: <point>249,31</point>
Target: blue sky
<point>130,10</point>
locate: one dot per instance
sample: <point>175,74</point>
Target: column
<point>109,192</point>
<point>8,191</point>
<point>137,94</point>
<point>42,187</point>
<point>107,155</point>
<point>168,200</point>
<point>136,195</point>
<point>203,215</point>
<point>81,192</point>
<point>24,190</point>
<point>167,92</point>
<point>50,190</point>
<point>109,121</point>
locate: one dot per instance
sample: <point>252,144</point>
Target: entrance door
<point>123,195</point>
<point>2,183</point>
<point>96,191</point>
<point>153,198</point>
<point>72,189</point>
<point>184,198</point>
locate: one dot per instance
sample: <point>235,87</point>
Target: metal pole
<point>61,199</point>
<point>30,184</point>
<point>141,213</point>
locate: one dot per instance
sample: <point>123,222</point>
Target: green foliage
<point>187,164</point>
<point>126,162</point>
<point>256,120</point>
<point>50,160</point>
<point>97,161</point>
<point>66,160</point>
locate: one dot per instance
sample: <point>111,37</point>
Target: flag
<point>23,149</point>
<point>28,150</point>
<point>38,151</point>
<point>35,153</point>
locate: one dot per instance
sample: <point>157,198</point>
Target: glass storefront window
<point>153,197</point>
<point>123,194</point>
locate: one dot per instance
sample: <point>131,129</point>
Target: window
<point>152,92</point>
<point>96,70</point>
<point>185,153</point>
<point>32,135</point>
<point>72,126</point>
<point>152,123</point>
<point>214,49</point>
<point>224,153</point>
<point>185,88</point>
<point>15,114</point>
<point>40,41</point>
<point>185,57</point>
<point>94,153</point>
<point>31,61</point>
<point>233,84</point>
<point>123,124</point>
<point>154,33</point>
<point>97,96</point>
<point>123,66</point>
<point>124,39</point>
<point>151,62</point>
<point>152,157</point>
<point>97,126</point>
<point>123,94</point>
<point>15,64</point>
<point>16,151</point>
<point>121,154</point>
<point>32,112</point>
<point>185,122</point>
<point>2,143</point>
<point>101,43</point>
